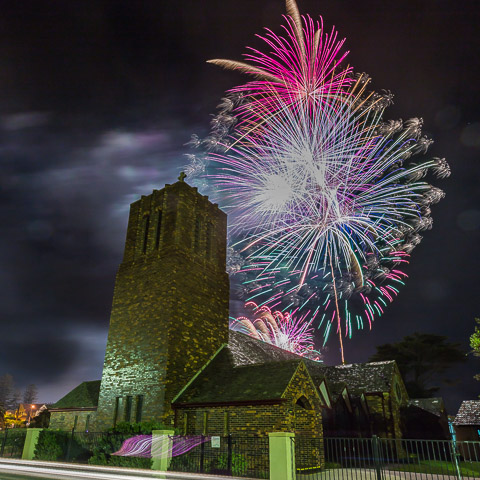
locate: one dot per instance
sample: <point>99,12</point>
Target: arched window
<point>303,402</point>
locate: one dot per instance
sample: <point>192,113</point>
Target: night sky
<point>97,101</point>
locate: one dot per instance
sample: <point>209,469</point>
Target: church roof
<point>468,413</point>
<point>251,370</point>
<point>358,377</point>
<point>248,351</point>
<point>432,405</point>
<point>362,377</point>
<point>224,382</point>
<point>84,395</point>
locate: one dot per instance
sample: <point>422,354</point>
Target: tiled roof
<point>250,370</point>
<point>359,378</point>
<point>84,395</point>
<point>248,351</point>
<point>223,382</point>
<point>362,377</point>
<point>433,405</point>
<point>468,413</point>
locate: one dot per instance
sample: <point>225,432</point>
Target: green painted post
<point>282,455</point>
<point>161,449</point>
<point>30,443</point>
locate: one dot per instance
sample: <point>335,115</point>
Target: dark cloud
<point>96,103</point>
<point>41,356</point>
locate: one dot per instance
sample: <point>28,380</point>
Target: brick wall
<point>299,411</point>
<point>66,420</point>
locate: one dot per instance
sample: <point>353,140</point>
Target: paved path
<point>361,474</point>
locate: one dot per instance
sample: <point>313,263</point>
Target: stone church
<point>170,356</point>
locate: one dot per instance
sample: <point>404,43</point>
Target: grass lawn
<point>467,469</point>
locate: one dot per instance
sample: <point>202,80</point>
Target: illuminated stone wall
<point>170,305</point>
<point>66,420</point>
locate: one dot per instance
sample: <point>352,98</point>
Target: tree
<point>475,343</point>
<point>29,397</point>
<point>7,392</point>
<point>30,394</point>
<point>422,359</point>
<point>8,396</point>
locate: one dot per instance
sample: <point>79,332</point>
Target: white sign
<point>215,442</point>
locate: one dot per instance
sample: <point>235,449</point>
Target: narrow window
<point>87,423</point>
<point>205,423</point>
<point>196,238</point>
<point>138,413</point>
<point>208,243</point>
<point>185,423</point>
<point>118,409</point>
<point>75,421</point>
<point>226,426</point>
<point>128,408</point>
<point>145,233</point>
<point>159,229</point>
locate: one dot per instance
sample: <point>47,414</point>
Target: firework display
<point>325,197</point>
<point>277,328</point>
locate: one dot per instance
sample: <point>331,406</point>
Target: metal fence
<point>228,455</point>
<point>12,441</point>
<point>237,456</point>
<point>381,459</point>
<point>84,447</point>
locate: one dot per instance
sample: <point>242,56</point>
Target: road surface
<point>13,469</point>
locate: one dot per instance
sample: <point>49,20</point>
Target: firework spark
<point>325,201</point>
<point>277,328</point>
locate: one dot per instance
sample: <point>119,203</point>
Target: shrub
<point>50,445</point>
<point>239,463</point>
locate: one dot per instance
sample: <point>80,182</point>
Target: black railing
<point>83,447</point>
<point>12,441</point>
<point>228,455</point>
<point>237,456</point>
<point>379,458</point>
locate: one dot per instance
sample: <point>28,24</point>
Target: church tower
<point>170,304</point>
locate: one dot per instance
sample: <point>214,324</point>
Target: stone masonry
<point>170,305</point>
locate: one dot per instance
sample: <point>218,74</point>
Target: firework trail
<point>277,328</point>
<point>325,201</point>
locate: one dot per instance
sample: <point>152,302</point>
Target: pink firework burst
<point>277,328</point>
<point>301,66</point>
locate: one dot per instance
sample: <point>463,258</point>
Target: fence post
<point>282,455</point>
<point>69,447</point>
<point>4,442</point>
<point>202,455</point>
<point>376,457</point>
<point>229,454</point>
<point>31,441</point>
<point>455,459</point>
<point>162,445</point>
